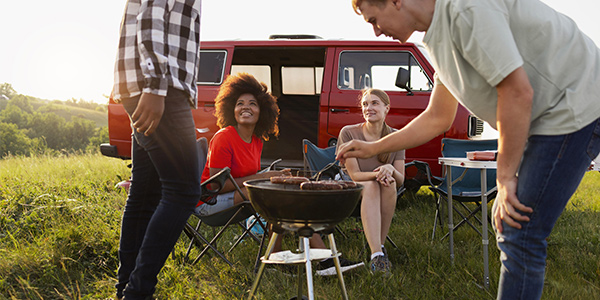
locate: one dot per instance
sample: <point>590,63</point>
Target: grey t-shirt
<point>475,44</point>
<point>354,132</point>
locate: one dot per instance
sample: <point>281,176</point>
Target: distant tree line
<point>25,131</point>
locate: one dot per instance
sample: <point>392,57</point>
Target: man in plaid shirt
<point>155,80</point>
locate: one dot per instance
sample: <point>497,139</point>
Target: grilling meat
<point>295,180</point>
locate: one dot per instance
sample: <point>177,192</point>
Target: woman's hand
<point>385,174</point>
<point>386,181</point>
<point>386,170</point>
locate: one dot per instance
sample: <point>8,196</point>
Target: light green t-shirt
<point>475,44</point>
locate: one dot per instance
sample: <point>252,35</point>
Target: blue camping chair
<point>316,159</point>
<point>466,186</point>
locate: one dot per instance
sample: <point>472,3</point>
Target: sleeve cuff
<point>156,86</point>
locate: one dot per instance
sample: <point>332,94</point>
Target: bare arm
<point>435,120</point>
<point>356,174</point>
<point>399,173</point>
<point>515,96</point>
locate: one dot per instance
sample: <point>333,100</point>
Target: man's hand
<point>507,206</point>
<point>148,113</point>
<point>355,148</point>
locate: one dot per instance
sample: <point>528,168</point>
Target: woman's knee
<point>371,191</point>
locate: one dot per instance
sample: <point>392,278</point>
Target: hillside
<point>67,111</point>
<point>30,125</point>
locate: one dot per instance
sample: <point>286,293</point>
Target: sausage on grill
<point>321,185</point>
<point>295,180</point>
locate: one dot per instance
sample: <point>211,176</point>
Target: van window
<point>211,67</point>
<point>260,72</point>
<point>378,69</point>
<point>301,80</point>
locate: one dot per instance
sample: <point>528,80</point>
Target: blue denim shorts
<point>224,201</point>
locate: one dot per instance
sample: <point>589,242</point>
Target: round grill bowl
<point>288,207</point>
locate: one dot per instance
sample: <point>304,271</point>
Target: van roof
<point>302,43</point>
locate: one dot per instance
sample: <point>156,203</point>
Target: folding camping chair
<point>315,158</point>
<point>233,215</point>
<point>466,183</point>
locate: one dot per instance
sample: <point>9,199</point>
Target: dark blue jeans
<point>550,172</point>
<point>165,188</point>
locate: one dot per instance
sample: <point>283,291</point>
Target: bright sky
<point>65,49</point>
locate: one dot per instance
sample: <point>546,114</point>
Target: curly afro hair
<point>243,83</point>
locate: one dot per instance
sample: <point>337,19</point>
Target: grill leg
<point>338,268</point>
<point>309,279</point>
<point>261,269</point>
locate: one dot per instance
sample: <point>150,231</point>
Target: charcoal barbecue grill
<point>287,207</point>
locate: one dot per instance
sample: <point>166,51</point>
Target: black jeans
<point>165,188</point>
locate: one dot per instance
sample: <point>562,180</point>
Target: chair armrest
<point>271,167</point>
<point>424,172</point>
<point>208,186</point>
<point>329,171</point>
<point>400,191</point>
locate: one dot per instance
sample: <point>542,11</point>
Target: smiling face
<point>373,108</point>
<point>246,110</point>
<point>387,19</point>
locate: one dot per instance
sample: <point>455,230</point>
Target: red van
<point>317,83</point>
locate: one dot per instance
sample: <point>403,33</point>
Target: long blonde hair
<point>386,129</point>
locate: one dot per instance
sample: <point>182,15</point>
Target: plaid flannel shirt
<point>158,48</point>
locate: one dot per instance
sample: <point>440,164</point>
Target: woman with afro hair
<point>246,113</point>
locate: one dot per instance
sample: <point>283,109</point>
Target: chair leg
<point>212,243</point>
<point>466,219</point>
<point>191,233</point>
<point>245,233</point>
<point>438,217</point>
<point>337,229</point>
<point>473,214</point>
<point>387,237</point>
<point>209,245</point>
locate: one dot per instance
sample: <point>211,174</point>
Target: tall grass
<point>60,218</point>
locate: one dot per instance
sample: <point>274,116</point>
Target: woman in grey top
<point>380,175</point>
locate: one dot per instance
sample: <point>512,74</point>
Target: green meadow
<point>60,222</point>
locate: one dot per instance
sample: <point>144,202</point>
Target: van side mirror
<point>402,79</point>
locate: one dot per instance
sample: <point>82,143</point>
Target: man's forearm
<point>435,120</point>
<point>513,122</point>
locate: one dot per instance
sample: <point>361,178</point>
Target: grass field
<point>60,222</point>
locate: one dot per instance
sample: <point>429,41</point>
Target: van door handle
<point>339,110</point>
<point>209,105</point>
